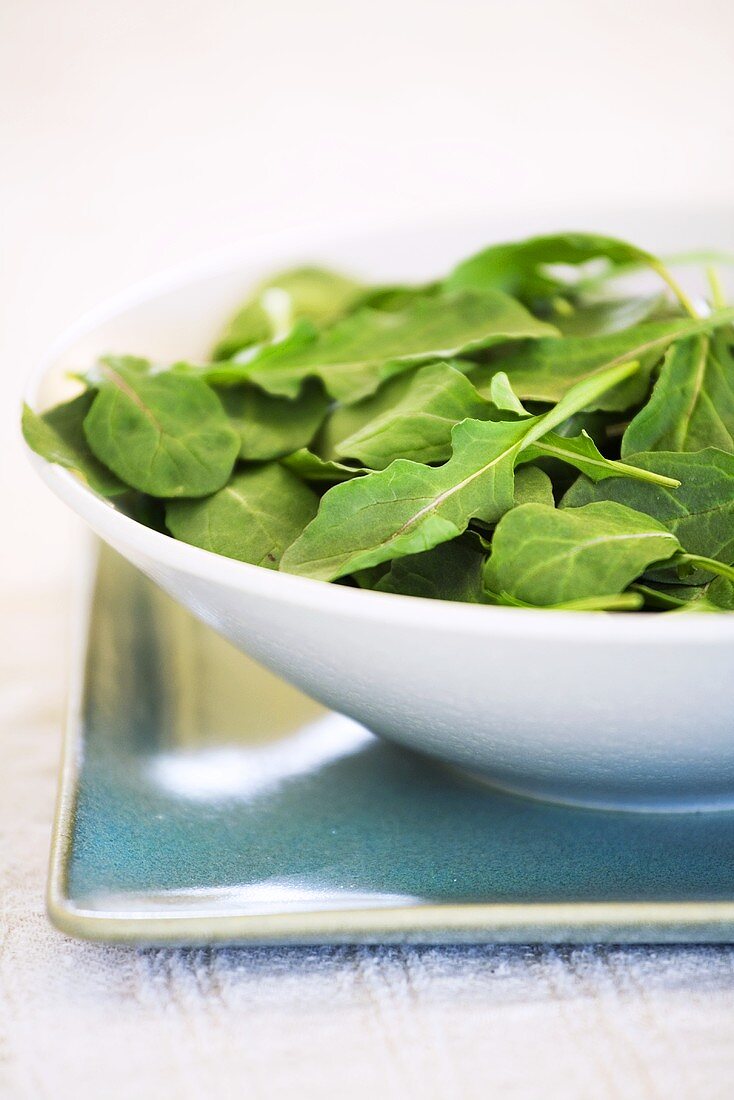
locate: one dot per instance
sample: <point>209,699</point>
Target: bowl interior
<point>180,313</point>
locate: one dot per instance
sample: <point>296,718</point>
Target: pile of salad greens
<point>525,431</point>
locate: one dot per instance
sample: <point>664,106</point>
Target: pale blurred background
<point>134,136</point>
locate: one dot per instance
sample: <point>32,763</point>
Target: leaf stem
<point>656,597</point>
<point>624,469</point>
<point>662,271</point>
<point>711,565</point>
<point>675,286</point>
<point>718,298</point>
<point>625,601</point>
<point>645,475</point>
<point>699,256</point>
<point>696,257</point>
<point>578,397</point>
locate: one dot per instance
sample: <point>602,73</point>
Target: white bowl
<point>625,710</point>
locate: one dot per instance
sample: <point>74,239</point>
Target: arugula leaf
<point>311,467</point>
<point>58,436</point>
<point>668,597</point>
<point>545,369</point>
<point>581,451</point>
<point>368,578</point>
<point>581,315</point>
<point>625,601</point>
<point>520,267</point>
<point>533,486</point>
<point>524,268</point>
<point>419,424</point>
<point>692,403</point>
<point>450,571</point>
<point>408,507</point>
<point>303,294</point>
<point>253,518</point>
<point>394,437</point>
<point>503,397</point>
<point>165,434</point>
<point>270,427</point>
<point>717,595</point>
<point>544,556</point>
<point>700,513</point>
<point>346,420</point>
<point>358,353</point>
<point>393,298</point>
<point>144,509</point>
<point>686,564</point>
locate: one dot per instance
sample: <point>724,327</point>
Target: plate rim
<point>506,922</point>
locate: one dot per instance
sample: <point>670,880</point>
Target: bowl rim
<point>451,617</point>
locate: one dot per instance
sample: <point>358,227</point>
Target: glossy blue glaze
<point>206,779</point>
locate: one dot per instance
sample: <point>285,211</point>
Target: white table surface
<point>134,136</point>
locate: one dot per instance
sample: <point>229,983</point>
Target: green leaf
<point>305,293</point>
<point>58,436</point>
<point>692,404</point>
<point>583,453</point>
<point>396,297</point>
<point>544,556</point>
<point>253,518</point>
<point>543,370</point>
<point>270,427</point>
<point>520,267</point>
<point>584,316</point>
<point>532,269</point>
<point>368,578</point>
<point>395,436</point>
<point>408,507</point>
<point>686,564</point>
<point>311,467</point>
<point>668,597</point>
<point>162,433</point>
<point>720,594</point>
<point>539,271</point>
<point>624,601</point>
<point>358,353</point>
<point>346,420</point>
<point>503,397</point>
<point>145,509</point>
<point>419,424</point>
<point>717,595</point>
<point>595,424</point>
<point>450,571</point>
<point>700,513</point>
<point>533,486</point>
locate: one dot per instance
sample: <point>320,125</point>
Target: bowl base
<point>636,802</point>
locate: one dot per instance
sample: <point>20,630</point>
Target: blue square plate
<point>203,800</point>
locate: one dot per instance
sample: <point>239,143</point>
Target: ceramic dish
<point>204,800</point>
<point>616,710</point>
